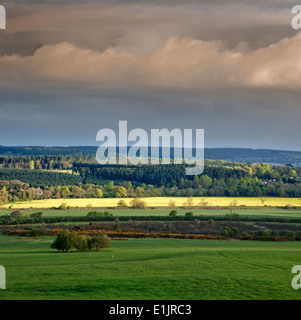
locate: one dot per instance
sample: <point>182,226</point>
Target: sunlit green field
<point>243,212</point>
<point>151,269</point>
<point>157,202</point>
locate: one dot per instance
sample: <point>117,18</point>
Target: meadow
<point>146,269</point>
<point>158,202</point>
<point>263,212</point>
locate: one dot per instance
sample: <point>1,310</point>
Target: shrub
<point>94,214</point>
<point>121,204</point>
<point>63,206</point>
<point>287,233</point>
<point>173,213</point>
<point>16,214</point>
<point>225,232</point>
<point>33,233</point>
<point>211,221</point>
<point>189,214</point>
<point>264,233</point>
<point>138,204</point>
<point>234,217</point>
<point>235,231</point>
<point>36,215</point>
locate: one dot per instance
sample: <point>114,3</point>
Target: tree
<point>138,203</point>
<point>80,243</point>
<point>173,213</point>
<point>98,193</point>
<point>64,241</point>
<point>101,241</point>
<point>31,165</point>
<point>121,204</point>
<point>205,181</point>
<point>121,192</point>
<point>172,204</point>
<point>203,203</point>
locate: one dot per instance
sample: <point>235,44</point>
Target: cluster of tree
<point>49,151</point>
<point>234,232</point>
<point>40,178</point>
<point>66,240</point>
<point>220,178</point>
<point>58,162</point>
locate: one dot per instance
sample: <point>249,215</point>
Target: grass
<point>157,202</point>
<point>146,269</point>
<point>246,212</point>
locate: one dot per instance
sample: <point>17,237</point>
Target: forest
<point>245,155</point>
<point>35,177</point>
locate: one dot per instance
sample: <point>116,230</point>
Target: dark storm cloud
<point>70,68</point>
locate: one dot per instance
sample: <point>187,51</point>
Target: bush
<point>63,206</point>
<point>173,213</point>
<point>33,233</point>
<point>275,233</point>
<point>264,233</point>
<point>235,231</point>
<point>234,217</point>
<point>189,214</point>
<point>94,214</point>
<point>121,204</point>
<point>211,221</point>
<point>138,204</point>
<point>287,233</point>
<point>16,214</point>
<point>36,215</point>
<point>225,232</point>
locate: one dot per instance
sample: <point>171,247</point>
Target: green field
<point>249,212</point>
<point>151,269</point>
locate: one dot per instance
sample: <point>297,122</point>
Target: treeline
<point>220,179</point>
<point>7,220</point>
<point>45,162</point>
<point>40,178</point>
<point>158,175</point>
<point>89,239</point>
<point>244,155</point>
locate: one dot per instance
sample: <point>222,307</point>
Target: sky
<point>230,67</point>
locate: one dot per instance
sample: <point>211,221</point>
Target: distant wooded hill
<point>244,155</point>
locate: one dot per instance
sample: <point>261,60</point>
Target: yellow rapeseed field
<point>159,202</point>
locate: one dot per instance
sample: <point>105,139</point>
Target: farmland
<point>209,270</point>
<point>243,212</point>
<point>157,202</point>
<point>249,214</point>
